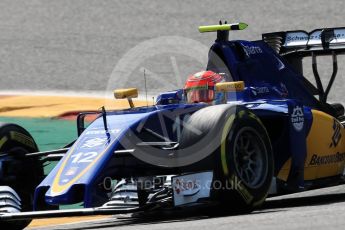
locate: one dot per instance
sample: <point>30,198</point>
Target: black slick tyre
<point>18,172</point>
<point>241,154</point>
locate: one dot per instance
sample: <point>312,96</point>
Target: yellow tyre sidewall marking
<point>225,133</point>
<point>233,179</point>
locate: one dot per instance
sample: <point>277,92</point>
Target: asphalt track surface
<point>66,47</point>
<point>318,209</point>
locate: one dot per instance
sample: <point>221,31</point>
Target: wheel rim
<point>250,157</point>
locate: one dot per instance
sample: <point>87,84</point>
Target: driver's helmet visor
<point>198,94</point>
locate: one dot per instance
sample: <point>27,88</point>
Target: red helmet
<point>199,87</point>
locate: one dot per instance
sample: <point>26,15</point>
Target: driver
<point>200,87</point>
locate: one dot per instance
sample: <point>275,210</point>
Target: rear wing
<point>295,45</point>
<point>320,41</point>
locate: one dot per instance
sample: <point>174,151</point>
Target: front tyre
<point>18,172</point>
<point>239,153</point>
<point>246,160</point>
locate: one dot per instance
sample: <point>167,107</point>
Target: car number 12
<point>83,157</point>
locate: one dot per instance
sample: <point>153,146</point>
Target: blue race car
<point>249,126</point>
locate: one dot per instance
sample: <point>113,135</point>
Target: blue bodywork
<point>272,90</point>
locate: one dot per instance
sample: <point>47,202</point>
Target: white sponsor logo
<point>297,118</point>
<point>262,90</point>
<point>296,39</point>
<point>339,36</point>
<point>190,188</point>
<point>94,142</point>
<point>186,188</point>
<point>101,131</point>
<point>302,38</point>
<point>71,171</point>
<point>315,38</point>
<point>250,50</point>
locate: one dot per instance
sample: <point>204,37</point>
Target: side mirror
<point>226,87</point>
<point>126,93</point>
<point>234,86</point>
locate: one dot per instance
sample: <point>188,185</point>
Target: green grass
<point>48,133</point>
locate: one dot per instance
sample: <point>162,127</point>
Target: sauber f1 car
<point>249,126</point>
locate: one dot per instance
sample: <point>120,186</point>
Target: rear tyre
<point>242,158</point>
<point>18,172</point>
